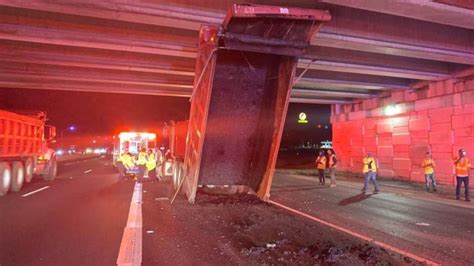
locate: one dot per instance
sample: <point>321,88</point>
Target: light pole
<point>70,128</point>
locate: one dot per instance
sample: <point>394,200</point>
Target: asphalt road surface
<point>436,231</point>
<point>79,219</point>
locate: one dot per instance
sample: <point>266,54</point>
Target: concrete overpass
<point>150,47</point>
<point>415,56</point>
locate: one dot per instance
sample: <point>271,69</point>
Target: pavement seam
<point>355,234</point>
<point>130,252</point>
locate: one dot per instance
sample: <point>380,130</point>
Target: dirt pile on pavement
<point>266,234</point>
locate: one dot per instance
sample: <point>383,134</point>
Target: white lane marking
<point>355,234</point>
<point>33,192</point>
<point>131,246</point>
<point>88,171</point>
<point>163,198</point>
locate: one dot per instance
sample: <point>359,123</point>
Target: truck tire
<point>18,176</point>
<point>5,178</point>
<point>50,174</point>
<point>29,170</point>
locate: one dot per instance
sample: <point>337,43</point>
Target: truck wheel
<point>18,176</point>
<point>29,170</point>
<point>5,178</point>
<point>52,170</point>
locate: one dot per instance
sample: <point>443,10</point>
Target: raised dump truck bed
<point>244,74</point>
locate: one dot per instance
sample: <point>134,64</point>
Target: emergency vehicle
<point>133,142</point>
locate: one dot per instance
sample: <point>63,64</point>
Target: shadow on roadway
<point>354,199</point>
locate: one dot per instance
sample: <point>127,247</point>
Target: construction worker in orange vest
<point>321,166</point>
<point>428,165</point>
<point>332,161</point>
<point>463,165</point>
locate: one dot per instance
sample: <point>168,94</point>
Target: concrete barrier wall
<point>400,128</point>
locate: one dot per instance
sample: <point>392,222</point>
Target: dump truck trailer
<point>24,151</point>
<point>245,70</point>
<point>175,133</point>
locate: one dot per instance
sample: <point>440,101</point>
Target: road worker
<point>128,162</point>
<point>332,162</point>
<point>141,164</point>
<point>120,166</point>
<point>428,165</point>
<point>370,172</point>
<point>463,165</point>
<point>321,166</point>
<point>151,164</point>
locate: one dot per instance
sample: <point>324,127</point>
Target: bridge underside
<point>414,58</point>
<point>145,47</point>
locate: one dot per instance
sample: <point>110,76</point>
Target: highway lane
<point>78,220</point>
<point>435,231</point>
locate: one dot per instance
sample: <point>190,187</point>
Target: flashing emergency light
<point>128,135</point>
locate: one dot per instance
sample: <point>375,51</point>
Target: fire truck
<point>133,142</point>
<point>24,152</point>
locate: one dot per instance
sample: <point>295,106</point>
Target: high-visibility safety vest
<point>369,165</point>
<point>462,166</point>
<point>127,160</point>
<point>428,165</point>
<point>151,162</point>
<point>142,158</point>
<point>332,161</point>
<point>321,162</point>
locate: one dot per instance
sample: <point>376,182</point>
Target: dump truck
<point>175,133</point>
<point>244,73</point>
<point>24,151</point>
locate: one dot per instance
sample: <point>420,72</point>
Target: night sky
<point>107,114</point>
<point>97,113</point>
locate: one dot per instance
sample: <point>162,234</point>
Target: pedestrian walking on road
<point>370,173</point>
<point>428,165</point>
<point>321,167</point>
<point>463,165</point>
<point>141,164</point>
<point>332,162</point>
